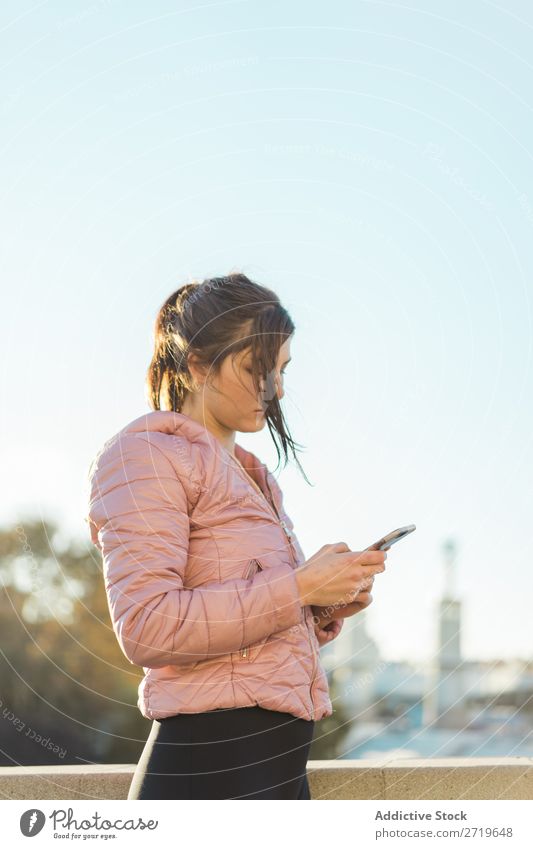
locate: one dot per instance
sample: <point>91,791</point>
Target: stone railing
<point>409,778</point>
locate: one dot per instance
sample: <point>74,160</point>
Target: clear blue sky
<point>372,163</point>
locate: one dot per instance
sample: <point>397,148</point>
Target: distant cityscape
<point>445,707</point>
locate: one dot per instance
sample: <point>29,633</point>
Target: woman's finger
<point>362,600</point>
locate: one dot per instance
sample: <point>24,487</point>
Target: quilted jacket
<point>199,573</point>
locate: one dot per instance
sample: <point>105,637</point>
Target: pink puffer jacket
<point>199,573</point>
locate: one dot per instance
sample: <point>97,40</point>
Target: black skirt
<point>237,753</point>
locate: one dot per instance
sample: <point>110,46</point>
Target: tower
<point>443,701</point>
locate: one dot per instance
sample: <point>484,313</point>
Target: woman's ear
<point>197,371</point>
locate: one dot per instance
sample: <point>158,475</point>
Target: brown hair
<point>220,316</point>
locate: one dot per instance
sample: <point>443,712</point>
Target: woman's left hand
<point>327,632</point>
<point>328,623</point>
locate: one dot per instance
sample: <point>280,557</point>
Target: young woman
<point>207,585</point>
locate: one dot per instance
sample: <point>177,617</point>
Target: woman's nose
<point>272,386</point>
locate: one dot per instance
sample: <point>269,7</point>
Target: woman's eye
<point>250,371</point>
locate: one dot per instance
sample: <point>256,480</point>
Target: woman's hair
<point>220,316</point>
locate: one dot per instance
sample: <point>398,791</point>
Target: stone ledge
<point>394,778</point>
<point>422,778</point>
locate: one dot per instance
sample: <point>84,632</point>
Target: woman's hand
<point>329,620</point>
<point>329,631</point>
<point>336,575</point>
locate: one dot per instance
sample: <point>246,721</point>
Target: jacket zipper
<point>315,660</point>
<point>244,651</point>
<point>270,505</point>
<point>283,524</point>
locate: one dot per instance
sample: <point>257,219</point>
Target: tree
<point>62,672</point>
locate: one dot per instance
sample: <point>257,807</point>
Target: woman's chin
<point>255,421</point>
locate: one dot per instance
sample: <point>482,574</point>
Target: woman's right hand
<point>335,574</point>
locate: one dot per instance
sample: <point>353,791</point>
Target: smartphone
<point>385,542</point>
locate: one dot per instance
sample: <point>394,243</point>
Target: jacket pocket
<point>249,653</point>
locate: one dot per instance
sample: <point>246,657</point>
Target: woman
<point>207,585</point>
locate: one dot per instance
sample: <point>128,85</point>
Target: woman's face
<point>229,399</point>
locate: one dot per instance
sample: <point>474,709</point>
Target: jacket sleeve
<point>139,519</point>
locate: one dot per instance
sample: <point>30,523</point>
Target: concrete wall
<point>409,778</point>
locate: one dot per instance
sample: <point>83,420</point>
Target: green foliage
<point>63,675</point>
<point>331,731</point>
